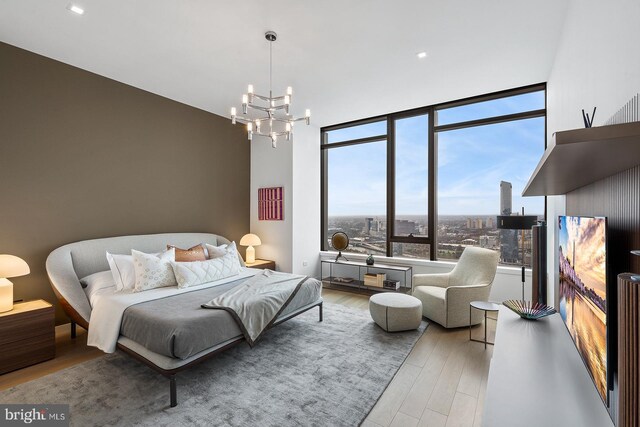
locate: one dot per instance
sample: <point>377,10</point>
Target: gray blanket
<point>256,303</point>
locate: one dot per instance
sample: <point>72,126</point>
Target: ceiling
<point>345,59</point>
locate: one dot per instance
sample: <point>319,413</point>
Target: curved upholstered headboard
<point>69,263</point>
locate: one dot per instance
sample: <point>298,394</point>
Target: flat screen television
<point>583,292</point>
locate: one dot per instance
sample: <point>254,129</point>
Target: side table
<point>486,307</point>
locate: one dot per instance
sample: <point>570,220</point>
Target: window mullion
<point>432,209</point>
<point>391,183</point>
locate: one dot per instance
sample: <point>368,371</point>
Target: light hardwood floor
<point>441,383</point>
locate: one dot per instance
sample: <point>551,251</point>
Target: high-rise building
<point>508,238</point>
<point>404,226</point>
<point>505,197</point>
<point>479,223</point>
<point>489,222</point>
<point>368,222</point>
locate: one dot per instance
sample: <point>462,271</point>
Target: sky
<point>471,163</point>
<point>588,234</point>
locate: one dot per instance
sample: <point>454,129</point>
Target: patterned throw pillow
<point>198,272</point>
<point>195,253</point>
<point>153,271</point>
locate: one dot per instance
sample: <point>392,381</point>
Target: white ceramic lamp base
<point>251,255</point>
<point>6,295</point>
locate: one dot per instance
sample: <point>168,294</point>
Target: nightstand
<point>263,264</point>
<point>27,335</point>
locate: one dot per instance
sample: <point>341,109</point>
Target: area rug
<point>302,373</point>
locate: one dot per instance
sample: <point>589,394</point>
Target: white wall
<point>306,202</point>
<point>272,167</point>
<point>295,165</point>
<point>597,64</point>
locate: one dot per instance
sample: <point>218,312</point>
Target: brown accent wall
<point>83,157</point>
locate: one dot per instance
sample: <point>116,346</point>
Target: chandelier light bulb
<point>250,89</point>
<point>245,98</point>
<point>287,99</point>
<point>288,127</point>
<point>289,90</point>
<point>250,127</point>
<point>307,113</point>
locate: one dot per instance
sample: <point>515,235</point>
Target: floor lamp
<point>517,222</point>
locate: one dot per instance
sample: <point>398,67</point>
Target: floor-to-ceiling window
<point>428,182</point>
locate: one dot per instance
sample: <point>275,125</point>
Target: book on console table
<point>374,280</point>
<point>391,284</point>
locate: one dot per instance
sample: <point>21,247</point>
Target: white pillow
<point>198,272</point>
<point>216,251</point>
<point>98,283</point>
<point>99,280</point>
<point>121,266</point>
<point>153,271</point>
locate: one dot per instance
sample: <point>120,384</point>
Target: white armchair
<point>446,297</point>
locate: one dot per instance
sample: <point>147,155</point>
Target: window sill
<point>445,265</point>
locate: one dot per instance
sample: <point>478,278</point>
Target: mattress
<point>178,327</point>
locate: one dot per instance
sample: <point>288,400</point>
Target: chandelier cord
<point>270,68</point>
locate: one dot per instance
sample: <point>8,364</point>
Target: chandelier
<point>276,120</point>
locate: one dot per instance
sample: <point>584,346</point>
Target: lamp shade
<point>516,222</point>
<point>12,266</point>
<point>250,240</point>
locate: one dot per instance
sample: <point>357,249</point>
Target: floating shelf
<point>582,156</point>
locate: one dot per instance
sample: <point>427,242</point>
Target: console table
<point>538,378</point>
<point>357,271</point>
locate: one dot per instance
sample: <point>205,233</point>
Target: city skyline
<point>471,163</point>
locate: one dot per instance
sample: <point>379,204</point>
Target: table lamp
<point>10,266</point>
<point>250,240</point>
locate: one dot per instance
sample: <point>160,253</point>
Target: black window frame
<point>432,161</point>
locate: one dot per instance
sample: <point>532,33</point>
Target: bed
<point>166,329</point>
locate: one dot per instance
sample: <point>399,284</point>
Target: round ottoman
<point>395,312</point>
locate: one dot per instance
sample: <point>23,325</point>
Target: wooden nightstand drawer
<point>27,335</point>
<point>27,324</point>
<point>19,354</point>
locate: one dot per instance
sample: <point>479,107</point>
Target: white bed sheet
<point>109,306</point>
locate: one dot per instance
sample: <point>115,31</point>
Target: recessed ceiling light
<point>421,55</point>
<point>76,9</point>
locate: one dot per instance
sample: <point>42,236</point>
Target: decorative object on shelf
<point>250,240</point>
<point>517,222</point>
<point>343,279</point>
<point>635,277</point>
<point>375,280</point>
<point>340,242</point>
<point>528,310</point>
<point>271,125</point>
<point>271,204</point>
<point>10,266</point>
<point>370,260</point>
<point>588,121</point>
